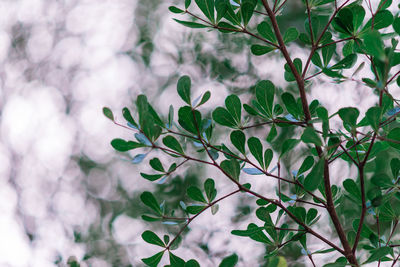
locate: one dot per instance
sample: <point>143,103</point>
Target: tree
<point>363,210</point>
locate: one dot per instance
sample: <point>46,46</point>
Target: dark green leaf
<point>232,168</point>
<point>346,62</point>
<point>234,106</point>
<point>204,98</point>
<point>221,6</point>
<point>290,35</point>
<point>108,113</point>
<point>265,30</point>
<point>191,24</point>
<point>268,155</point>
<point>223,117</point>
<point>209,188</point>
<point>315,177</point>
<point>151,177</point>
<point>229,261</point>
<point>382,180</point>
<point>396,25</point>
<point>395,167</point>
<point>374,117</point>
<point>310,136</point>
<point>306,165</point>
<point>192,263</point>
<point>256,149</point>
<point>382,19</point>
<point>351,187</point>
<point>123,146</point>
<point>183,88</point>
<point>194,209</point>
<point>327,53</point>
<point>175,261</point>
<point>374,45</point>
<point>207,7</point>
<point>291,104</point>
<point>378,254</point>
<point>187,3</point>
<point>175,10</point>
<point>349,116</point>
<point>171,142</point>
<point>288,145</point>
<point>151,238</point>
<point>149,200</point>
<point>154,260</point>
<point>238,139</point>
<point>186,120</point>
<point>128,117</point>
<point>311,215</point>
<point>247,9</point>
<point>196,194</point>
<point>358,15</point>
<point>272,134</point>
<point>394,135</point>
<point>259,50</point>
<point>265,91</point>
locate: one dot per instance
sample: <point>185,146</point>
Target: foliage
<point>363,210</point>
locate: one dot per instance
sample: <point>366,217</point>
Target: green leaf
<point>128,117</point>
<point>221,6</point>
<point>315,177</point>
<point>265,30</point>
<point>268,155</point>
<point>382,180</point>
<point>123,146</point>
<point>288,145</point>
<point>192,263</point>
<point>186,120</point>
<point>207,7</point>
<point>382,19</point>
<point>223,117</point>
<point>151,177</point>
<point>327,53</point>
<point>351,187</point>
<point>384,4</point>
<point>395,167</point>
<point>272,134</point>
<point>373,44</point>
<point>154,260</point>
<point>196,194</point>
<point>374,117</point>
<point>254,232</point>
<point>209,188</point>
<point>394,134</point>
<point>378,254</point>
<point>259,50</point>
<point>234,106</point>
<point>175,10</point>
<point>150,201</point>
<point>229,261</point>
<point>310,136</point>
<point>175,261</point>
<point>108,113</point>
<point>265,91</point>
<point>183,88</point>
<point>187,3</point>
<point>232,168</point>
<point>195,209</point>
<point>306,165</point>
<point>247,9</point>
<point>238,139</point>
<point>191,24</point>
<point>349,116</point>
<point>171,142</point>
<point>151,238</point>
<point>290,35</point>
<point>311,214</point>
<point>204,98</point>
<point>396,25</point>
<point>256,149</point>
<point>156,164</point>
<point>346,63</point>
<point>291,104</point>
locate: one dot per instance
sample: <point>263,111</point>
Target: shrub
<point>363,210</point>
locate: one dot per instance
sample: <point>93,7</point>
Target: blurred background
<point>63,190</point>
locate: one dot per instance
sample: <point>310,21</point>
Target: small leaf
<point>183,88</point>
<point>232,168</point>
<point>209,188</point>
<point>289,144</point>
<point>272,134</point>
<point>234,106</point>
<point>128,117</point>
<point>151,238</point>
<point>374,117</point>
<point>238,139</point>
<point>229,261</point>
<point>256,149</point>
<point>290,35</point>
<point>194,209</point>
<point>259,50</point>
<point>187,3</point>
<point>191,24</point>
<point>315,177</point>
<point>394,135</point>
<point>186,120</point>
<point>154,260</point>
<point>265,30</point>
<point>149,200</point>
<point>378,253</point>
<point>123,146</point>
<point>395,167</point>
<point>175,10</point>
<point>374,45</point>
<point>171,142</point>
<point>108,113</point>
<point>351,187</point>
<point>382,180</point>
<point>265,91</point>
<point>247,9</point>
<point>349,116</point>
<point>268,155</point>
<point>306,165</point>
<point>156,164</point>
<point>252,171</point>
<point>291,104</point>
<point>310,136</point>
<point>196,194</point>
<point>223,117</point>
<point>192,263</point>
<point>207,7</point>
<point>396,25</point>
<point>151,177</point>
<point>205,98</point>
